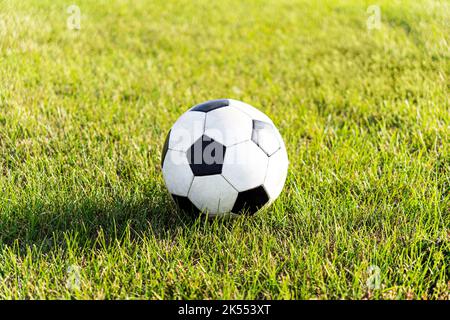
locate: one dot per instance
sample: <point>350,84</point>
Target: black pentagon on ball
<point>165,148</point>
<point>250,201</point>
<point>206,156</point>
<point>211,105</point>
<point>185,205</point>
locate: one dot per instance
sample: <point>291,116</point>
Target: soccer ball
<point>224,157</point>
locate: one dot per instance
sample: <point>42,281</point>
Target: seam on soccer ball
<point>229,183</point>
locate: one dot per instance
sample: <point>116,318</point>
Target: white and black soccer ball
<point>224,157</point>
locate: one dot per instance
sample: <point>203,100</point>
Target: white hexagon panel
<point>212,194</point>
<point>265,136</point>
<point>177,173</point>
<point>245,166</point>
<point>276,173</point>
<point>228,126</point>
<point>186,130</point>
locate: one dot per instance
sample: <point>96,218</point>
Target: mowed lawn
<point>364,112</point>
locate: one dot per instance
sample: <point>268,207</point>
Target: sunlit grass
<point>364,114</point>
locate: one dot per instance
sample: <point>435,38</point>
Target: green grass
<point>365,115</point>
